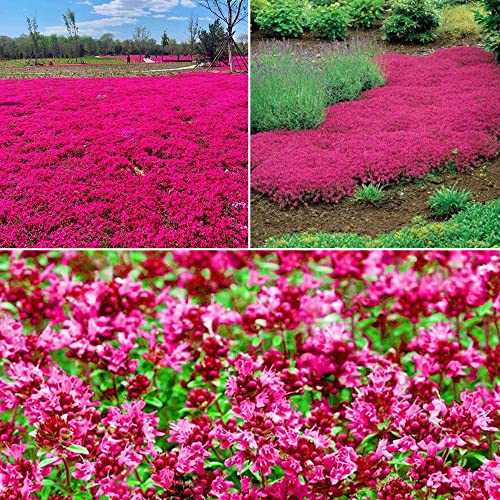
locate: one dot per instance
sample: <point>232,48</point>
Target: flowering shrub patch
<point>434,110</point>
<point>153,162</point>
<point>239,375</point>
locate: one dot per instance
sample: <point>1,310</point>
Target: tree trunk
<point>230,52</point>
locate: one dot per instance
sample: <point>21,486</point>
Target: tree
<point>213,40</point>
<point>35,36</point>
<point>193,32</point>
<point>230,13</point>
<point>72,28</point>
<point>164,43</point>
<point>141,38</point>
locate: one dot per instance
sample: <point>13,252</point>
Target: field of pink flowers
<point>246,375</point>
<point>433,111</point>
<point>134,162</point>
<point>158,59</point>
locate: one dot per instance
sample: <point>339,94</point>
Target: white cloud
<point>206,18</point>
<point>158,16</point>
<point>92,28</point>
<point>177,18</point>
<point>85,2</point>
<point>144,8</point>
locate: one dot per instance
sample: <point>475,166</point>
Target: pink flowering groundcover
<point>434,111</point>
<point>124,162</point>
<point>247,375</point>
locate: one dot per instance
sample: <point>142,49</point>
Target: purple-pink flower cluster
<point>434,111</point>
<point>247,375</point>
<point>124,162</point>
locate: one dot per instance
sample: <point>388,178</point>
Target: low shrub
<point>364,14</point>
<point>257,7</point>
<point>369,193</point>
<point>411,21</point>
<point>329,22</point>
<point>290,93</point>
<point>285,18</point>
<point>478,226</point>
<point>489,21</point>
<point>448,201</point>
<point>347,74</point>
<point>458,22</point>
<point>286,94</point>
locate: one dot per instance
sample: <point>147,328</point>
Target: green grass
<point>369,193</point>
<point>62,60</point>
<point>288,92</point>
<point>101,70</point>
<point>478,226</point>
<point>457,22</point>
<point>448,201</point>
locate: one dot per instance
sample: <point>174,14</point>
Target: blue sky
<point>96,17</point>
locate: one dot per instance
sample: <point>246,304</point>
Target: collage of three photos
<point>250,250</point>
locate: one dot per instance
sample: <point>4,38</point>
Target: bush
<point>411,21</point>
<point>284,18</point>
<point>458,22</point>
<point>364,14</point>
<point>489,21</point>
<point>257,7</point>
<point>478,226</point>
<point>347,74</point>
<point>329,22</point>
<point>285,93</point>
<point>368,193</point>
<point>448,201</point>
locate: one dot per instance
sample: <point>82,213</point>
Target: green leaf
<point>75,448</point>
<point>47,461</point>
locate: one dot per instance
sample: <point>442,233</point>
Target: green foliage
<point>458,22</point>
<point>293,94</point>
<point>347,74</point>
<point>489,21</point>
<point>411,21</point>
<point>364,14</point>
<point>212,40</point>
<point>257,7</point>
<point>369,193</point>
<point>285,93</point>
<point>478,226</point>
<point>448,201</point>
<point>329,22</point>
<point>284,18</point>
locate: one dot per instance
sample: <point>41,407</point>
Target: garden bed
<point>433,111</point>
<point>400,206</point>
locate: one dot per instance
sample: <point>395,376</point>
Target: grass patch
<point>288,92</point>
<point>478,226</point>
<point>457,22</point>
<point>448,201</point>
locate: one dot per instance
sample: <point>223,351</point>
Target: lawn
<point>124,162</point>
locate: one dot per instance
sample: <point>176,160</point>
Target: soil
<point>401,204</point>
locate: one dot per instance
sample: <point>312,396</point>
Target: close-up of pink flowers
<point>434,111</point>
<point>124,162</point>
<point>250,374</point>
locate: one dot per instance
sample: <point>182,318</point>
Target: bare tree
<point>35,36</point>
<point>230,13</point>
<point>141,37</point>
<point>70,22</point>
<point>193,30</point>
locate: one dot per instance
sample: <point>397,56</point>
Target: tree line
<point>36,45</point>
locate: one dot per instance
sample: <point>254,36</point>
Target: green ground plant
<point>449,201</point>
<point>458,22</point>
<point>411,21</point>
<point>369,193</point>
<point>478,226</point>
